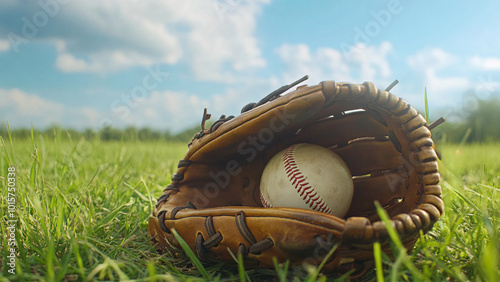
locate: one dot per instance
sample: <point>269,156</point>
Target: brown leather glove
<point>213,201</point>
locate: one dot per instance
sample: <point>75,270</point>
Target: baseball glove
<point>213,201</point>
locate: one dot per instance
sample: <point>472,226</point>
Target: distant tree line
<point>107,133</point>
<point>475,124</point>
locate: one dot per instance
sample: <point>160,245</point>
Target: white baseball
<point>307,176</point>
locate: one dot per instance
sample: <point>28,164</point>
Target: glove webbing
<point>271,96</point>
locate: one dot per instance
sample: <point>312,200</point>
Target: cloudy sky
<point>85,64</point>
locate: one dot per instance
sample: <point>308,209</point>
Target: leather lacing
<point>173,186</point>
<point>214,238</point>
<point>214,126</point>
<point>271,96</point>
<point>213,241</point>
<point>161,215</point>
<point>255,247</point>
<point>177,209</point>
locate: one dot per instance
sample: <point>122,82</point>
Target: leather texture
<point>213,200</point>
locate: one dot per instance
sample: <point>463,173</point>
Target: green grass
<point>83,207</point>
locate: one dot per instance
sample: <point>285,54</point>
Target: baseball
<point>307,176</point>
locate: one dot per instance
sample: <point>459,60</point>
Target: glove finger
<point>341,128</point>
<point>268,121</point>
<point>257,232</point>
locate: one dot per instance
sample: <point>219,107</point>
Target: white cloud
<point>360,63</point>
<point>431,66</point>
<point>222,35</point>
<point>215,38</point>
<point>22,109</point>
<point>168,109</point>
<point>102,62</point>
<point>4,45</point>
<point>372,60</point>
<point>486,64</point>
<point>431,59</point>
<point>114,35</point>
<point>446,86</point>
<point>179,110</point>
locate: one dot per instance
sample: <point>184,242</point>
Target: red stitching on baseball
<point>301,188</point>
<point>296,177</point>
<point>308,192</point>
<point>265,202</point>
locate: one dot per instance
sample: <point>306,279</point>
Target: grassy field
<point>82,206</point>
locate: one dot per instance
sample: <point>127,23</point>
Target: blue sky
<point>86,64</point>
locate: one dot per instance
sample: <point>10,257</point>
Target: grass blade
<point>401,254</point>
<point>33,171</point>
<point>377,254</point>
<point>241,266</point>
<point>79,260</point>
<point>144,198</point>
<point>281,271</point>
<point>110,216</point>
<point>464,198</point>
<point>314,276</point>
<point>191,255</point>
<point>466,137</point>
<point>11,144</point>
<point>390,229</point>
